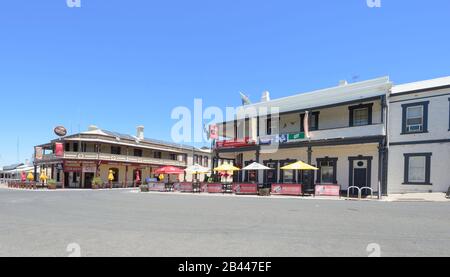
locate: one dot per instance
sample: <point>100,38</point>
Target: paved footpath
<point>128,223</point>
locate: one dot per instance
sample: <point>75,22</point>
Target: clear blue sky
<point>120,63</point>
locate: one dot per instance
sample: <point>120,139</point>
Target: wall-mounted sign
<point>235,143</point>
<point>89,168</point>
<point>60,131</point>
<point>296,137</point>
<point>72,166</point>
<point>38,153</point>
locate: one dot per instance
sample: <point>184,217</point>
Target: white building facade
<point>419,137</point>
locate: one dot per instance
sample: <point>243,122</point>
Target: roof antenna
<point>245,99</point>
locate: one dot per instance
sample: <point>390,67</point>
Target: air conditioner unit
<point>414,128</point>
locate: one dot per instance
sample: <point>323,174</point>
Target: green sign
<point>298,136</point>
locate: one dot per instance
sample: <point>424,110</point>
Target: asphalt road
<point>124,223</point>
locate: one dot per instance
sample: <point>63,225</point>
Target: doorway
<point>88,177</point>
<point>360,172</point>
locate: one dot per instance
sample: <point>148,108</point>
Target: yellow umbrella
<point>227,167</point>
<point>111,176</point>
<point>299,166</point>
<point>30,176</point>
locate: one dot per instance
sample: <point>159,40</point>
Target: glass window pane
<point>361,117</point>
<point>417,169</point>
<point>414,112</point>
<point>327,174</point>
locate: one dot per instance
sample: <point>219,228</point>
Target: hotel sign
<point>72,166</point>
<point>235,143</point>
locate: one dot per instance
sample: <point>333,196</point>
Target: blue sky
<point>118,64</point>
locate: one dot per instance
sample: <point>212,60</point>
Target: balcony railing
<point>325,134</point>
<point>87,156</point>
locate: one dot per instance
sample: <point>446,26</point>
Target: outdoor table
<point>249,189</point>
<point>287,189</point>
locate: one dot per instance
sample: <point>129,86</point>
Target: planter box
<point>51,187</point>
<point>264,192</point>
<point>144,188</point>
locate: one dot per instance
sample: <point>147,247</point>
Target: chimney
<point>92,128</point>
<point>265,97</point>
<point>343,83</point>
<point>140,132</point>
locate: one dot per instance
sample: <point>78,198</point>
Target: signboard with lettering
<point>89,168</point>
<point>245,188</point>
<point>160,187</point>
<point>235,143</point>
<point>215,188</point>
<point>295,137</point>
<point>184,187</point>
<point>328,190</point>
<point>287,189</point>
<point>72,166</point>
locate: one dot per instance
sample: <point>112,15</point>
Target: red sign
<point>235,143</point>
<point>157,187</point>
<point>215,188</point>
<point>39,153</point>
<point>245,188</point>
<point>71,166</point>
<point>328,190</point>
<point>213,132</point>
<point>287,189</point>
<point>59,149</point>
<point>204,187</point>
<point>184,187</point>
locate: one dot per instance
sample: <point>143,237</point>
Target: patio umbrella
<point>169,170</point>
<point>299,166</point>
<point>256,166</point>
<point>227,167</point>
<point>197,169</point>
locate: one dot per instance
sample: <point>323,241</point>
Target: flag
<point>213,132</point>
<point>38,153</point>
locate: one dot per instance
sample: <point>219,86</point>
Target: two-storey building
<point>419,137</point>
<point>74,160</point>
<point>344,136</point>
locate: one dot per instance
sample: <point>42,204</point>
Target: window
<point>138,152</point>
<point>173,157</point>
<point>75,147</point>
<point>195,159</point>
<point>415,118</point>
<point>271,176</point>
<point>417,169</point>
<point>83,147</point>
<point>206,162</point>
<point>116,150</point>
<point>67,147</point>
<point>361,115</point>
<point>269,125</point>
<point>313,121</point>
<point>287,176</point>
<point>157,155</point>
<point>327,173</point>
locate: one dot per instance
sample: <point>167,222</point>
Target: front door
<point>88,177</point>
<point>360,177</point>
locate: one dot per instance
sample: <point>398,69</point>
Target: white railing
<point>348,132</point>
<point>87,156</point>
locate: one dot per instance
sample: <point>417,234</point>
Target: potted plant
<point>97,183</point>
<point>51,184</point>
